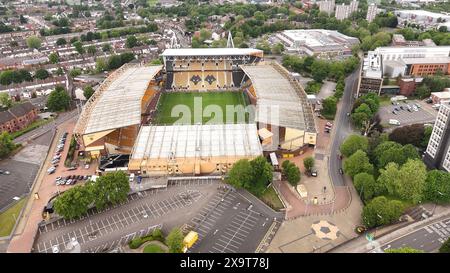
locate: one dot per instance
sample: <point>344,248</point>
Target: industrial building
<point>422,18</point>
<point>437,154</point>
<point>321,43</point>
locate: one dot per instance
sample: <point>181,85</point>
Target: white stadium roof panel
<point>120,104</point>
<point>185,141</point>
<point>209,51</point>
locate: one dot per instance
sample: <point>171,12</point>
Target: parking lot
<point>23,167</point>
<point>231,223</point>
<point>101,231</point>
<point>425,113</point>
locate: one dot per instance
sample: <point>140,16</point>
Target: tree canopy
<point>58,100</point>
<point>353,143</point>
<point>253,175</point>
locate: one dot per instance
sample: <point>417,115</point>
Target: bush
<point>153,248</point>
<point>135,243</point>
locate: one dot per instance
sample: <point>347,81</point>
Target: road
<point>428,238</point>
<point>44,129</point>
<point>342,127</point>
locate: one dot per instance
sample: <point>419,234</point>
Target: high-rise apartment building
<point>438,151</point>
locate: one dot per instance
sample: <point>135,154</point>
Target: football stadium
<point>198,114</point>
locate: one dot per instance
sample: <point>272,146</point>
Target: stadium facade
<point>119,117</point>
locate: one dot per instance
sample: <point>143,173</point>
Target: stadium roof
<point>186,141</point>
<point>210,51</point>
<point>119,102</point>
<point>276,92</point>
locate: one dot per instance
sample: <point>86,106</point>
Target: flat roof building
<point>318,42</point>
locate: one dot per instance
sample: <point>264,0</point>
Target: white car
<point>86,166</point>
<point>51,170</point>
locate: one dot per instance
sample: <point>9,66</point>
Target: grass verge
<point>270,197</point>
<point>9,216</point>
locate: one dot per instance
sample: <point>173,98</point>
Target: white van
<point>131,179</point>
<point>394,122</point>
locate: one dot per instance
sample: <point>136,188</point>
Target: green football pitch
<point>204,107</point>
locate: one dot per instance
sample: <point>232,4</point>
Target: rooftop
<point>188,141</point>
<point>117,102</point>
<point>210,51</point>
<point>275,91</point>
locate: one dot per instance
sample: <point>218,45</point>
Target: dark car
<point>401,107</point>
<point>72,168</point>
<point>341,171</point>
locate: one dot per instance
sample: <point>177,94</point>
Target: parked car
<point>418,105</point>
<point>401,107</point>
<point>341,171</point>
<point>86,166</point>
<point>72,168</point>
<point>68,181</point>
<point>394,112</point>
<point>51,170</point>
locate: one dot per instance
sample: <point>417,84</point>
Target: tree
<point>6,77</point>
<point>75,72</point>
<point>319,70</point>
<point>5,100</point>
<point>437,187</point>
<point>53,57</point>
<point>79,47</point>
<point>58,100</point>
<point>175,241</point>
<point>6,144</point>
<point>25,75</point>
<point>426,136</point>
<point>131,41</point>
<point>329,107</point>
<point>291,172</point>
<point>353,143</point>
<point>308,163</point>
<point>390,151</point>
<point>61,41</point>
<point>410,134</point>
<point>74,202</point>
<point>357,163</point>
<point>251,175</point>
<point>403,250</point>
<point>33,42</point>
<point>111,188</point>
<point>381,211</point>
<point>106,47</point>
<point>366,185</point>
<point>88,91</point>
<point>407,182</point>
<point>41,74</point>
<point>445,247</point>
<point>262,175</point>
<point>240,174</point>
<point>91,49</point>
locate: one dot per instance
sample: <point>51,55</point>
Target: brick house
<point>18,117</point>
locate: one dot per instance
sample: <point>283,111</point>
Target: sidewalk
<point>358,245</point>
<point>23,239</point>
